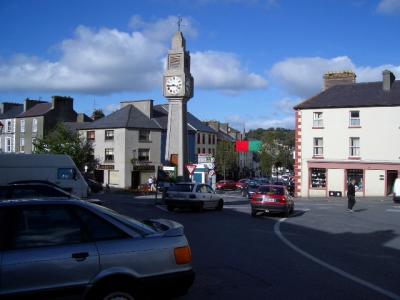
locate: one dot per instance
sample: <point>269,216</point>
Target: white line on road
<point>331,267</point>
<point>393,210</point>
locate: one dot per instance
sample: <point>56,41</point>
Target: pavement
<point>320,252</point>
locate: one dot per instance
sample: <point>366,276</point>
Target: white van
<point>396,190</point>
<point>59,169</point>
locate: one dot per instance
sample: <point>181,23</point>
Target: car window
<point>66,173</point>
<point>272,190</point>
<point>99,229</point>
<point>182,188</point>
<point>209,189</point>
<point>201,189</point>
<point>45,226</point>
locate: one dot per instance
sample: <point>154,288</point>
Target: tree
<point>62,140</point>
<point>97,114</point>
<point>226,159</point>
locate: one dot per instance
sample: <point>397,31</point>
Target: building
<point>8,112</point>
<point>349,130</point>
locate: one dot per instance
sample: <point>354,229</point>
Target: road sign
<point>191,169</point>
<point>211,173</point>
<point>205,158</point>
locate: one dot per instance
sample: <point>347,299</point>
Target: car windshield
<point>182,187</point>
<point>132,223</point>
<point>271,190</point>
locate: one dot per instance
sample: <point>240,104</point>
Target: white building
<point>349,130</point>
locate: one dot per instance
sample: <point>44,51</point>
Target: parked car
<point>75,248</point>
<point>193,196</point>
<point>95,187</point>
<point>396,191</point>
<point>272,199</point>
<point>226,185</point>
<point>32,189</point>
<point>241,184</point>
<point>252,187</point>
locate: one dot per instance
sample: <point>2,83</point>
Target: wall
<point>336,180</point>
<point>28,134</point>
<point>374,186</point>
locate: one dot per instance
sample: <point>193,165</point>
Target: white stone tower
<point>178,89</point>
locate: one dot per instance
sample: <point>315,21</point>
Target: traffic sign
<point>211,173</point>
<point>191,169</point>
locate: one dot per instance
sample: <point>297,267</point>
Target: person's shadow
<point>360,210</point>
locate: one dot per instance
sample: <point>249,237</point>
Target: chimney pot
<point>388,79</point>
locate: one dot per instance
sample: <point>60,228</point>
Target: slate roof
<point>369,94</point>
<point>39,109</point>
<point>12,112</point>
<point>126,117</point>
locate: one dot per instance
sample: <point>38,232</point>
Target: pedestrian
<point>351,195</point>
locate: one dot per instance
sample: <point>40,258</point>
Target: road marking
<point>331,267</point>
<point>393,210</point>
<point>162,208</point>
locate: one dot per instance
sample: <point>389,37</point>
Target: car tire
<point>199,207</point>
<point>170,207</point>
<point>220,205</point>
<point>116,291</point>
<point>253,213</point>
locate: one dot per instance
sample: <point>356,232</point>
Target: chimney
<point>213,124</point>
<point>6,106</point>
<point>338,78</point>
<point>388,79</point>
<point>145,106</point>
<point>62,103</point>
<point>29,103</point>
<point>82,118</point>
<point>224,127</point>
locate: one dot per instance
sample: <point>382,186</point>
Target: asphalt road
<point>320,252</point>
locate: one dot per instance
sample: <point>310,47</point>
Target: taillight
<point>183,255</point>
<point>192,196</point>
<point>282,200</point>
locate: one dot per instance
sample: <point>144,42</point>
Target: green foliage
<point>278,145</point>
<point>97,114</point>
<point>226,159</point>
<point>62,140</point>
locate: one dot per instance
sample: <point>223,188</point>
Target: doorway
<point>99,176</point>
<point>391,176</point>
<point>135,180</point>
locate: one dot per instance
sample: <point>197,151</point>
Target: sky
<point>252,60</point>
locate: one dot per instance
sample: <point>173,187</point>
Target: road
<point>320,252</point>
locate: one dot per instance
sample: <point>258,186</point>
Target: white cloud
<point>223,71</point>
<point>389,7</point>
<point>286,105</point>
<point>108,60</point>
<point>302,76</point>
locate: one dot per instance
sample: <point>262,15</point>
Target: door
<point>203,194</point>
<point>390,178</point>
<point>47,249</point>
<point>99,176</point>
<point>135,180</point>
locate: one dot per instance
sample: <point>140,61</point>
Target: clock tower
<point>178,89</point>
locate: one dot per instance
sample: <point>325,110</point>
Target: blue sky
<point>252,60</point>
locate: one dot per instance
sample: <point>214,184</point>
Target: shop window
<point>109,135</point>
<point>318,121</point>
<point>318,178</point>
<point>144,135</point>
<point>91,135</point>
<point>144,155</point>
<point>354,147</point>
<point>318,147</point>
<point>109,155</point>
<point>354,118</point>
<point>358,176</point>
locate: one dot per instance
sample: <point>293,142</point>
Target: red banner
<point>242,146</point>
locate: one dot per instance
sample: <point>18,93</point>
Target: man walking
<point>351,195</point>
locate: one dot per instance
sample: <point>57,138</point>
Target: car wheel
<point>220,205</point>
<point>170,208</point>
<point>253,213</point>
<point>114,292</point>
<point>199,207</point>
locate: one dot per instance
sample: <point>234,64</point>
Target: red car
<point>241,184</point>
<point>272,199</point>
<point>226,185</point>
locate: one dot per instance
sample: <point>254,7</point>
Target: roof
<point>369,94</point>
<point>12,112</point>
<point>225,137</point>
<point>126,117</point>
<point>39,109</point>
<point>160,113</point>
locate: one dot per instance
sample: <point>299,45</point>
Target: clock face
<point>173,84</point>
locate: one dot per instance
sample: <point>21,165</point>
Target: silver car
<point>52,248</point>
<point>193,196</point>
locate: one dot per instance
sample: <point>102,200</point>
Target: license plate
<point>269,200</point>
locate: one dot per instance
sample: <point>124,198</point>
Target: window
<point>34,125</point>
<point>46,226</point>
<point>22,125</point>
<point>358,176</point>
<point>99,230</point>
<point>144,155</point>
<point>209,138</point>
<point>7,145</point>
<point>66,173</point>
<point>198,138</point>
<point>204,150</point>
<point>8,126</point>
<point>109,135</point>
<point>318,122</point>
<point>21,145</point>
<point>198,150</point>
<point>318,178</point>
<point>204,139</point>
<point>354,147</point>
<point>318,147</point>
<point>91,135</point>
<point>109,155</point>
<point>144,135</point>
<point>354,118</point>
<point>213,152</point>
<point>209,150</point>
<point>201,189</point>
<point>213,139</point>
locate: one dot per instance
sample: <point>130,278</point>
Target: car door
<point>203,195</point>
<point>213,196</point>
<point>47,250</point>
